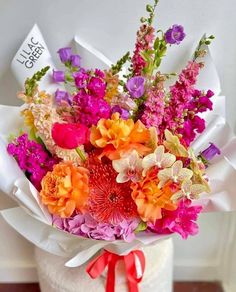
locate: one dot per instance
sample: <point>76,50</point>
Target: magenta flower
<point>75,60</point>
<point>210,152</point>
<point>32,158</point>
<point>62,96</point>
<point>58,76</point>
<point>181,221</point>
<point>90,109</point>
<point>175,34</point>
<point>65,54</point>
<point>135,86</point>
<point>96,87</point>
<point>81,78</point>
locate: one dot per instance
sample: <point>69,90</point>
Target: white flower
<point>128,168</point>
<point>189,190</point>
<point>159,158</point>
<point>176,173</point>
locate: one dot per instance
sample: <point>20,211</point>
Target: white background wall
<point>110,26</point>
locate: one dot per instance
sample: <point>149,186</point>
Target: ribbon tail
<point>131,269</point>
<point>111,278</point>
<point>98,265</point>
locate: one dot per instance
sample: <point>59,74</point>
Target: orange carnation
<point>117,136</point>
<point>65,189</point>
<point>150,199</point>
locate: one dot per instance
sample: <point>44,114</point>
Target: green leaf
<point>149,8</point>
<point>31,83</point>
<point>141,227</point>
<point>156,44</point>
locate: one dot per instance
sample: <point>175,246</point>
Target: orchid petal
<point>120,165</point>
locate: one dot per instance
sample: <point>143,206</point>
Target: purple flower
<point>61,95</point>
<point>175,34</point>
<point>124,113</point>
<point>85,225</point>
<point>58,76</point>
<point>75,60</point>
<point>126,229</point>
<point>135,86</point>
<point>65,54</point>
<point>210,152</point>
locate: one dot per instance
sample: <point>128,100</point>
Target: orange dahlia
<point>65,189</point>
<point>117,136</point>
<point>109,201</point>
<point>150,199</point>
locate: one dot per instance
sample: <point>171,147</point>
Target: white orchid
<point>173,144</point>
<point>176,173</point>
<point>189,190</point>
<point>158,158</point>
<point>128,167</point>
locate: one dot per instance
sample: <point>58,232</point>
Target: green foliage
<point>204,41</point>
<point>120,63</point>
<point>141,227</point>
<point>31,83</point>
<point>154,57</point>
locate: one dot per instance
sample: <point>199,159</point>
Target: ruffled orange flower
<point>150,199</point>
<point>65,189</point>
<point>117,136</point>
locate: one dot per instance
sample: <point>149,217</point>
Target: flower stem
<point>81,154</point>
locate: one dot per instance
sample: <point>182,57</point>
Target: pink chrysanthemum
<point>109,202</point>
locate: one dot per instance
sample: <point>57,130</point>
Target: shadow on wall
<point>8,88</point>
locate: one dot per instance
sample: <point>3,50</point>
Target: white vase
<point>55,277</point>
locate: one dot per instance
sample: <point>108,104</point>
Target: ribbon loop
<point>107,259</point>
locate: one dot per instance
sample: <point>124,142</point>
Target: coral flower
<point>118,136</point>
<point>65,189</point>
<point>150,199</point>
<point>109,201</point>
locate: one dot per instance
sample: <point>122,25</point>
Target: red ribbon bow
<point>98,265</point>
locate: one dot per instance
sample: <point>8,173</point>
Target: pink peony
<point>70,136</point>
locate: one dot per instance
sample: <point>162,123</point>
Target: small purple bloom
<point>58,76</point>
<point>135,86</point>
<point>65,54</point>
<point>75,60</point>
<point>124,113</point>
<point>61,95</point>
<point>210,152</point>
<point>175,34</point>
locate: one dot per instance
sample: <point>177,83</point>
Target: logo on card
<point>31,53</point>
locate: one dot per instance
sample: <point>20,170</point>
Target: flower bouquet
<point>115,159</point>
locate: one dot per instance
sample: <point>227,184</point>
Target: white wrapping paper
<point>32,220</point>
<point>32,56</point>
